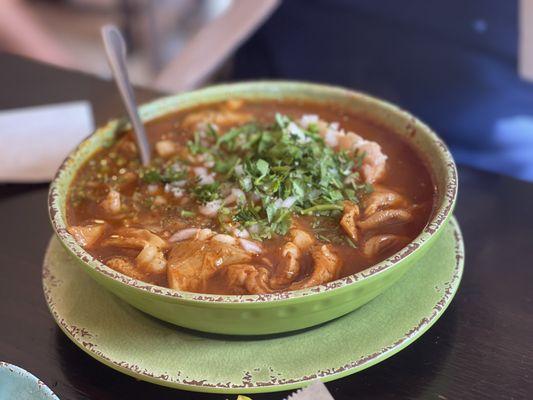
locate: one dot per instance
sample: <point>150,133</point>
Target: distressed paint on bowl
<point>283,311</point>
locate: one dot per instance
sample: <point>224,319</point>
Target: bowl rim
<point>439,218</point>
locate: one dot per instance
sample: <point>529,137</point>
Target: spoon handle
<point>115,48</point>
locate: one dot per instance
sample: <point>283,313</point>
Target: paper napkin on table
<point>315,391</point>
<point>34,141</point>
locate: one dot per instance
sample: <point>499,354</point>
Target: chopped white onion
<point>241,233</point>
<point>211,208</point>
<point>184,234</point>
<point>199,171</point>
<point>205,177</point>
<point>239,170</point>
<point>308,119</point>
<point>298,132</point>
<point>251,246</point>
<point>254,228</point>
<point>204,234</point>
<point>175,189</point>
<point>152,188</point>
<point>165,148</point>
<point>239,194</point>
<point>288,202</point>
<point>332,137</point>
<point>294,129</point>
<point>236,195</point>
<point>226,239</point>
<point>349,180</point>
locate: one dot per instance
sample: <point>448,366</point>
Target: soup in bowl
<point>266,207</point>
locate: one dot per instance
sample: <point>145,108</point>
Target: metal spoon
<point>115,48</point>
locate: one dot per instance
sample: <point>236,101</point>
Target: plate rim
<point>358,365</point>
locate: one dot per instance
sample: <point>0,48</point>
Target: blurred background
<point>465,68</point>
<point>66,33</point>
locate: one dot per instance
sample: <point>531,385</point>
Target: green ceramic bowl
<point>277,312</point>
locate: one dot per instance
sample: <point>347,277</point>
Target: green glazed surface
<point>141,346</point>
<point>278,312</point>
<point>17,383</point>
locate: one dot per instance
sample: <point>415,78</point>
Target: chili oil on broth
<point>161,213</point>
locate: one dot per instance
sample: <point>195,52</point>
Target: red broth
<point>134,229</point>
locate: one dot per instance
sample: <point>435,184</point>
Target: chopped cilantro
<point>167,174</point>
<point>195,146</point>
<point>151,176</point>
<point>187,214</point>
<point>206,193</point>
<point>229,136</point>
<point>283,169</point>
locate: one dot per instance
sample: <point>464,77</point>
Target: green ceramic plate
<point>134,343</point>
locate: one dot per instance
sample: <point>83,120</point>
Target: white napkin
<point>34,141</point>
<point>315,391</point>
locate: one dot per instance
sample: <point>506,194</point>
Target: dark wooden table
<point>482,348</point>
